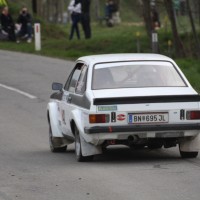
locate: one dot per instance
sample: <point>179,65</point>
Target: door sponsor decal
<point>63,117</point>
<point>107,108</point>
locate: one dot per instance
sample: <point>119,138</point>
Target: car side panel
<point>54,117</point>
<point>88,144</point>
<point>66,111</point>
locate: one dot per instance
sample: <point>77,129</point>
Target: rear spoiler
<point>147,99</point>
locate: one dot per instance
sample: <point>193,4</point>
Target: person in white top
<point>75,11</point>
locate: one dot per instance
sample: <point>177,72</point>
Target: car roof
<point>124,57</point>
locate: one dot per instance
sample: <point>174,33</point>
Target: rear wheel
<point>79,156</point>
<point>192,154</point>
<point>55,143</point>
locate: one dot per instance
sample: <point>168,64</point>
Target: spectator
<point>85,18</point>
<point>25,21</point>
<point>110,8</point>
<point>7,24</point>
<point>155,19</point>
<point>75,11</point>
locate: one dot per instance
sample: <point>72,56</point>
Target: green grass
<point>191,68</point>
<point>119,39</point>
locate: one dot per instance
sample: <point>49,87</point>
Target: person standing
<point>7,24</point>
<point>85,19</point>
<point>75,11</point>
<point>110,8</point>
<point>25,21</point>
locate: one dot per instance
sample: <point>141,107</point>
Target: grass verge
<point>119,39</point>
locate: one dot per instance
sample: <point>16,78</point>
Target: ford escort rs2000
<point>137,100</point>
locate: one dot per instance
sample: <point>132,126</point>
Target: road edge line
<point>30,96</point>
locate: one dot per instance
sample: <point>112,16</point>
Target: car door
<point>72,86</point>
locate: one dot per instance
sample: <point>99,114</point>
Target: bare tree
<point>147,15</point>
<point>177,41</point>
<point>49,9</point>
<point>97,9</point>
<point>193,29</point>
<point>34,6</point>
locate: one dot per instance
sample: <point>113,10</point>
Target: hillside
<point>119,39</point>
<point>129,9</point>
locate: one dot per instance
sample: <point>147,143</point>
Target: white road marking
<point>30,96</point>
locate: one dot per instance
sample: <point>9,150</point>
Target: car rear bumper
<point>142,128</point>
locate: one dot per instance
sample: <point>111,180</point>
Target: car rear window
<point>136,75</point>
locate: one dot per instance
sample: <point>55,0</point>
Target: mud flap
<point>190,145</point>
<point>89,149</point>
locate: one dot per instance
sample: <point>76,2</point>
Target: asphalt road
<point>29,171</point>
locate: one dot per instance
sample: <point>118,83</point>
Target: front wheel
<point>79,156</point>
<point>185,154</point>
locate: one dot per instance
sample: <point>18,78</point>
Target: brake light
<point>193,115</point>
<point>99,118</point>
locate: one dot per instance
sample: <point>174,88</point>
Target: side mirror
<point>57,86</point>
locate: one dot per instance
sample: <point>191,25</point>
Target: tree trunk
<point>147,16</point>
<point>61,10</point>
<point>56,15</point>
<point>97,11</point>
<point>39,8</point>
<point>180,52</point>
<point>48,9</point>
<point>199,11</point>
<point>197,52</point>
<point>34,6</point>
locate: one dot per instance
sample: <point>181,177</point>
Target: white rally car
<point>138,100</point>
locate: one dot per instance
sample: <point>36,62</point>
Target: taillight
<point>193,115</point>
<point>99,118</point>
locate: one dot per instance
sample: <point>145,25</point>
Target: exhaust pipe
<point>132,139</point>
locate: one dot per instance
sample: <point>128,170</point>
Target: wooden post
<point>154,42</point>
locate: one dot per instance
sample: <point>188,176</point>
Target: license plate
<point>147,118</point>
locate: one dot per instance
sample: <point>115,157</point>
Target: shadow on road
<point>120,155</point>
<point>126,155</point>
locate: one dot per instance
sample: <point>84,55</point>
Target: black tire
<point>54,143</point>
<point>137,147</point>
<point>185,154</point>
<point>104,149</point>
<point>78,152</point>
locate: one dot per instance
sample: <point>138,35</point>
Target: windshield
<point>136,75</point>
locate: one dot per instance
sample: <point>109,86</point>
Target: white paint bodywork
<point>80,116</point>
<point>54,117</point>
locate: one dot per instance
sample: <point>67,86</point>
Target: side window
<point>73,78</point>
<point>68,81</point>
<point>81,86</point>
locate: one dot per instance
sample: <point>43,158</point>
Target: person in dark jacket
<point>155,19</point>
<point>7,24</point>
<point>85,18</point>
<point>25,20</point>
<point>75,11</point>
